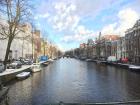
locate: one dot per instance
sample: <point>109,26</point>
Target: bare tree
<point>16,12</point>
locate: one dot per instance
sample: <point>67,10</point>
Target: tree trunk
<point>7,51</point>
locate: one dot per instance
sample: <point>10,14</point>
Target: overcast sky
<point>68,23</point>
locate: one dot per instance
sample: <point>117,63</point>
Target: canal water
<point>74,81</point>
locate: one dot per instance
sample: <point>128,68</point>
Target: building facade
<point>21,46</point>
<point>83,50</point>
<point>107,46</point>
<point>132,36</point>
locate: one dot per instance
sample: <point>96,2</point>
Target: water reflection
<point>71,80</point>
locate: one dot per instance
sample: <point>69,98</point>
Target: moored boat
<point>98,62</point>
<point>23,75</point>
<point>46,63</point>
<point>134,67</point>
<point>83,58</point>
<point>36,67</point>
<point>50,60</point>
<point>88,60</point>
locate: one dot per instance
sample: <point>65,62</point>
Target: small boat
<point>133,67</point>
<point>23,75</point>
<point>88,60</point>
<point>50,60</point>
<point>36,67</point>
<point>83,58</point>
<point>55,58</point>
<point>45,63</point>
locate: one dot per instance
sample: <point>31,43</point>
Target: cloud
<point>64,17</point>
<point>46,15</point>
<point>88,7</point>
<point>81,33</point>
<point>126,19</point>
<point>109,29</point>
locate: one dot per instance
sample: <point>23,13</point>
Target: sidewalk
<point>123,65</point>
<point>23,68</point>
<point>10,74</point>
<point>11,71</point>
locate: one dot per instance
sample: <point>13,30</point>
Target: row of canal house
<point>108,45</point>
<point>111,45</point>
<point>114,45</point>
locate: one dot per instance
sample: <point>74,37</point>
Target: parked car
<point>27,62</point>
<point>124,60</point>
<point>14,65</point>
<point>1,67</point>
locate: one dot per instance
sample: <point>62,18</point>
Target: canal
<point>74,81</point>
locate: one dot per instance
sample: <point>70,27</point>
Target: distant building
<point>90,49</point>
<point>107,46</point>
<point>107,49</point>
<point>83,50</point>
<point>123,48</point>
<point>94,55</point>
<point>111,37</point>
<point>90,42</point>
<point>119,49</point>
<point>114,48</point>
<point>83,45</point>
